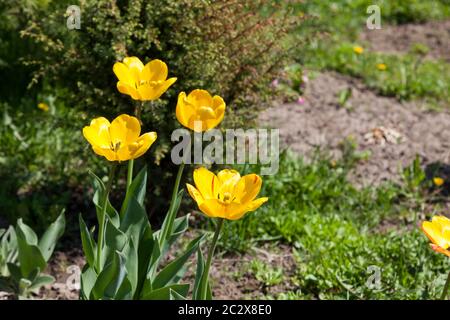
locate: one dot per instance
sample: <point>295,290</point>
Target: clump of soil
<point>322,122</point>
<point>399,39</point>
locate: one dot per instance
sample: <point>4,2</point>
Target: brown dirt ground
<point>322,122</point>
<point>231,277</point>
<point>399,39</point>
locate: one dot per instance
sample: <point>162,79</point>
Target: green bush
<point>233,49</point>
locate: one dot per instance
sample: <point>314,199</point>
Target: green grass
<point>406,77</point>
<point>336,233</point>
<point>347,17</point>
<point>332,30</point>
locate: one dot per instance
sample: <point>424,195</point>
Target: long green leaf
<point>30,256</point>
<point>172,271</point>
<point>87,242</point>
<point>52,234</point>
<point>110,279</point>
<point>164,293</point>
<point>136,190</point>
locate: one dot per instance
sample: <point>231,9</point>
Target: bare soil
<point>231,277</point>
<point>368,120</point>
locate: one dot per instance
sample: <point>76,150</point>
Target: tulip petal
<point>206,182</point>
<point>218,103</point>
<point>97,133</point>
<point>184,111</point>
<point>200,98</point>
<point>434,233</point>
<point>155,70</point>
<point>123,73</point>
<point>105,152</point>
<point>135,67</point>
<point>124,129</point>
<point>212,123</point>
<point>145,142</point>
<point>228,179</point>
<point>195,194</point>
<point>440,250</point>
<point>125,88</point>
<point>213,208</point>
<point>248,187</point>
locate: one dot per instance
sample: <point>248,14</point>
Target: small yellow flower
<point>43,106</point>
<point>358,49</point>
<point>381,66</point>
<point>141,82</point>
<point>227,195</point>
<point>438,231</point>
<point>438,181</point>
<point>199,111</point>
<point>119,140</point>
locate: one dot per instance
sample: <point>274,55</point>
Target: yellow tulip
<point>43,106</point>
<point>438,181</point>
<point>358,49</point>
<point>119,140</point>
<point>199,111</point>
<point>227,195</point>
<point>438,231</point>
<point>141,82</point>
<point>381,66</point>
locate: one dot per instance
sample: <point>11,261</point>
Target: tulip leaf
<point>164,293</point>
<point>30,256</point>
<point>99,197</point>
<point>168,223</point>
<point>131,265</point>
<point>28,234</point>
<point>87,281</point>
<point>137,190</point>
<point>40,281</point>
<point>175,295</point>
<point>147,246</point>
<point>134,220</point>
<point>52,234</point>
<point>174,269</point>
<point>110,279</point>
<point>87,242</point>
<point>115,239</point>
<point>199,274</point>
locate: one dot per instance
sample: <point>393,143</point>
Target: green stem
<point>102,217</point>
<point>130,173</point>
<point>446,288</point>
<point>211,250</point>
<point>168,222</point>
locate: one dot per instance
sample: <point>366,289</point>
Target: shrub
<point>231,48</point>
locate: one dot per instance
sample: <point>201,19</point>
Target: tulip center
<point>205,113</point>
<point>227,197</point>
<point>115,147</point>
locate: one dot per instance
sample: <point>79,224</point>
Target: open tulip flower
<point>119,140</point>
<point>199,111</point>
<point>438,231</point>
<point>141,82</point>
<point>227,195</point>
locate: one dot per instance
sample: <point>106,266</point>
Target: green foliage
<point>231,49</point>
<point>266,274</point>
<point>40,161</point>
<point>350,16</point>
<point>299,190</point>
<point>339,233</point>
<point>406,77</point>
<point>26,257</point>
<point>228,49</point>
<point>131,253</point>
